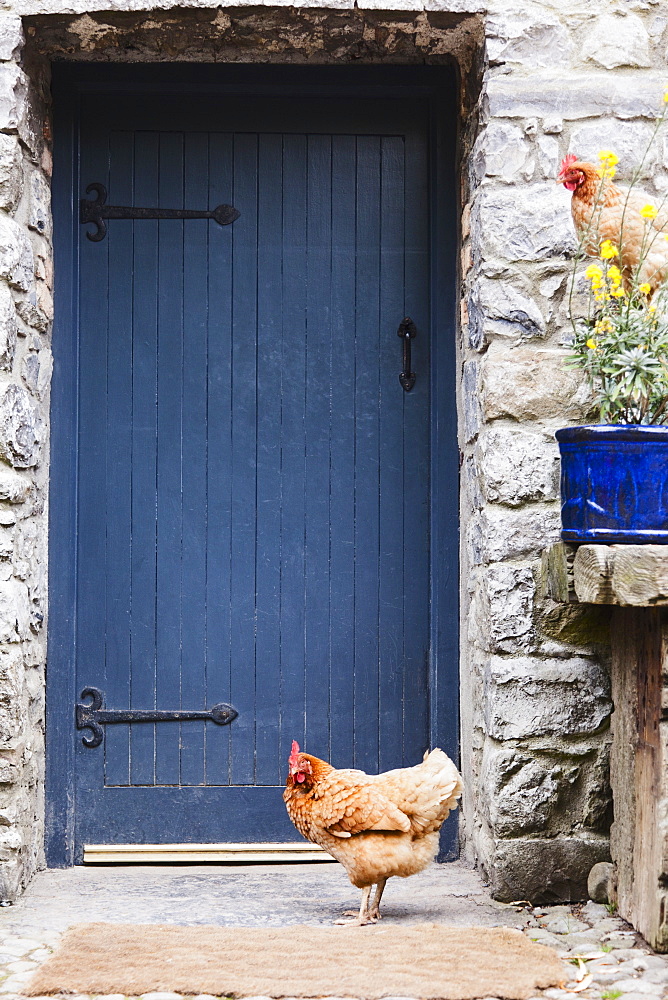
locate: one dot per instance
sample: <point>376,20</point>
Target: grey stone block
<point>514,37</point>
<point>527,697</point>
<point>11,171</point>
<point>14,619</point>
<point>11,36</point>
<point>516,533</point>
<point>517,466</point>
<point>628,139</point>
<point>13,487</point>
<point>471,394</point>
<point>21,428</point>
<point>531,383</point>
<point>601,882</point>
<point>32,315</point>
<point>522,791</point>
<point>617,39</point>
<point>545,871</point>
<point>588,95</point>
<point>13,98</point>
<point>502,151</point>
<point>527,223</point>
<point>509,591</point>
<point>39,217</point>
<point>8,327</point>
<point>501,310</point>
<point>16,256</point>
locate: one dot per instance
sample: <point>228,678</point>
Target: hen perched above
<point>376,825</point>
<point>628,218</point>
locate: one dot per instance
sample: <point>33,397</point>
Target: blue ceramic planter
<point>614,483</point>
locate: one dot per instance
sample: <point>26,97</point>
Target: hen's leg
<point>374,912</point>
<point>362,916</point>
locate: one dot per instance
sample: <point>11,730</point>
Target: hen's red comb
<point>292,759</point>
<point>567,162</point>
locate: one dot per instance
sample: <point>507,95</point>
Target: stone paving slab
<point>244,895</point>
<point>604,959</point>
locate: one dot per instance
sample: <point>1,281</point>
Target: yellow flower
<point>618,292</point>
<point>606,173</point>
<point>645,288</point>
<point>594,272</point>
<point>608,250</point>
<point>665,96</point>
<point>591,344</point>
<point>614,274</point>
<point>604,326</point>
<point>649,211</point>
<point>608,158</point>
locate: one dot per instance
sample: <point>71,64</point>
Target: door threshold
<point>133,854</point>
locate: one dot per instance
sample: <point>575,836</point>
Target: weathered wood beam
<point>639,770</point>
<point>556,573</point>
<point>592,574</point>
<point>635,578</point>
<point>626,575</point>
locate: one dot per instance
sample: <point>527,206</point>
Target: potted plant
<point>614,475</point>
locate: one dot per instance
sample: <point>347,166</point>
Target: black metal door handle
<point>407,331</point>
<point>94,715</point>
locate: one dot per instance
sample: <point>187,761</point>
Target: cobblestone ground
<point>604,959</point>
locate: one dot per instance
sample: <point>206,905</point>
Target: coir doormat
<point>416,960</point>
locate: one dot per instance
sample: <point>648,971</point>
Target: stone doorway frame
<point>535,703</point>
<point>289,36</point>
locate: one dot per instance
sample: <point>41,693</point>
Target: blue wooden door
<point>253,481</point>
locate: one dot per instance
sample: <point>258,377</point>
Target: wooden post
<point>639,771</point>
<point>635,579</point>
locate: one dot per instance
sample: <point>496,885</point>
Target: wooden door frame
<point>438,86</point>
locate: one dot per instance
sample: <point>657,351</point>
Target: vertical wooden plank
<point>416,454</point>
<point>367,453</point>
<point>169,457</point>
<point>91,593</point>
<point>219,461</point>
<point>293,442</point>
<point>244,457</point>
<point>118,459</point>
<point>269,378</point>
<point>194,458</point>
<point>342,449</point>
<point>317,422</point>
<point>144,432</point>
<point>391,570</point>
<point>61,678</point>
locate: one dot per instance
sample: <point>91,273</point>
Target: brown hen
<point>604,211</point>
<point>376,825</point>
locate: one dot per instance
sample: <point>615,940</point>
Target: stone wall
<point>26,310</point>
<point>539,79</point>
<point>557,80</point>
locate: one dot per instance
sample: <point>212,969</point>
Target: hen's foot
<point>361,915</point>
<point>357,921</point>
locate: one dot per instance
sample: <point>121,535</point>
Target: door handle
<point>407,331</point>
